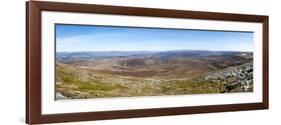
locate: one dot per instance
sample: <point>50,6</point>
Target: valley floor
<point>78,82</point>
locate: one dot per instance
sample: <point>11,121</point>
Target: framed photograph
<point>94,62</point>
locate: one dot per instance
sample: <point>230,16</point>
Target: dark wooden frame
<point>33,61</point>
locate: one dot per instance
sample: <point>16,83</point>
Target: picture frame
<point>34,48</point>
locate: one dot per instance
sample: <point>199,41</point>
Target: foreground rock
<point>59,96</point>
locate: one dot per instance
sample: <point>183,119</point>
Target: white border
<point>50,106</point>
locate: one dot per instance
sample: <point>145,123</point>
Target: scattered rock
<point>59,96</point>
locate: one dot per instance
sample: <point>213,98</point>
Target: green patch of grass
<point>68,77</point>
<point>165,89</point>
<point>87,86</point>
<point>193,86</point>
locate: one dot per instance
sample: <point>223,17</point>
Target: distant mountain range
<point>155,54</point>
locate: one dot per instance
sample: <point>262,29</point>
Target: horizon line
<point>157,50</point>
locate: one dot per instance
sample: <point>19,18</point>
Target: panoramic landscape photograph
<point>113,61</point>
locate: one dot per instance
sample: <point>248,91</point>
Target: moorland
<point>103,74</point>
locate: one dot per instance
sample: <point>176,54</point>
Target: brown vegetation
<point>141,76</point>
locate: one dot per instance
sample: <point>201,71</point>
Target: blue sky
<point>105,38</point>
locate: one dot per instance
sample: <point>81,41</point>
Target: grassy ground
<point>78,83</point>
